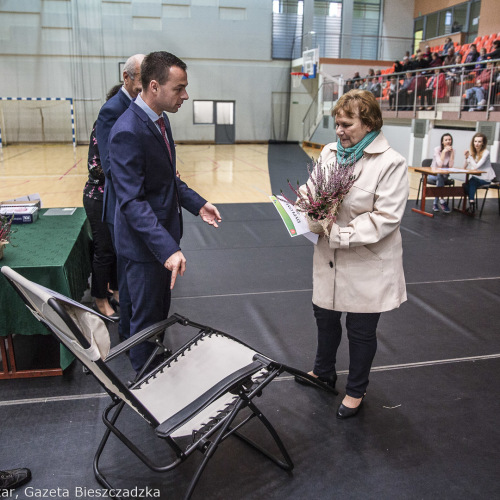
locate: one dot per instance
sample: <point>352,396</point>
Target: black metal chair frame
<point>494,184</point>
<point>243,386</point>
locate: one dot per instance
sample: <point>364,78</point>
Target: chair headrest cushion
<point>92,326</point>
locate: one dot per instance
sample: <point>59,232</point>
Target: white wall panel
<point>232,14</point>
<point>21,5</point>
<point>176,2</point>
<point>53,20</point>
<point>147,23</point>
<point>176,11</point>
<point>399,137</point>
<point>205,3</point>
<point>58,35</point>
<point>116,9</point>
<point>146,9</point>
<point>10,19</point>
<point>397,25</point>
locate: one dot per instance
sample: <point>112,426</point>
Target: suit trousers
<point>149,287</point>
<point>362,336</point>
<point>125,303</point>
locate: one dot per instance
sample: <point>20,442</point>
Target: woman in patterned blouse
<point>104,259</point>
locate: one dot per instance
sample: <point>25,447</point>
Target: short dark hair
<point>156,66</point>
<point>113,91</point>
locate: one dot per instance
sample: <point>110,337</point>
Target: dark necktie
<point>161,123</point>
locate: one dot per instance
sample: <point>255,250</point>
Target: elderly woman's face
<point>350,130</point>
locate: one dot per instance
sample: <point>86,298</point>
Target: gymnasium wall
<point>72,48</point>
<point>397,28</point>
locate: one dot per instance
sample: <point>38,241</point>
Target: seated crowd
<point>436,74</point>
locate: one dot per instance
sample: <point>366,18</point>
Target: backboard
<point>310,60</point>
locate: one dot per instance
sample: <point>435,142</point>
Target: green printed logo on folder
<point>286,218</point>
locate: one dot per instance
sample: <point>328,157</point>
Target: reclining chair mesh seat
<point>198,391</point>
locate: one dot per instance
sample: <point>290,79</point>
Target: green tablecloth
<point>54,251</point>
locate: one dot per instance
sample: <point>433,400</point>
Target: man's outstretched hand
<point>210,214</point>
<point>177,264</point>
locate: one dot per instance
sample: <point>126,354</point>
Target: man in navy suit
<point>150,197</point>
<point>108,115</point>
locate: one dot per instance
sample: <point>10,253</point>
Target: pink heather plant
<point>5,228</point>
<point>330,184</point>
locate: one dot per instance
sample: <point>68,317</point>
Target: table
<point>54,251</point>
<point>443,192</point>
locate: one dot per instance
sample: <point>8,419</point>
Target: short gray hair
<point>131,65</point>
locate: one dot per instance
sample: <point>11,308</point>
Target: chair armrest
<point>225,385</point>
<point>140,337</point>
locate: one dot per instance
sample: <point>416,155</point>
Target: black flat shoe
<point>10,479</point>
<point>112,317</point>
<point>328,381</point>
<point>114,303</point>
<point>471,210</point>
<point>346,412</point>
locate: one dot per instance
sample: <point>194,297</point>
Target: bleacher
<point>480,42</point>
<point>454,98</point>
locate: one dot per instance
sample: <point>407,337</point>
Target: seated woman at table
<point>444,157</point>
<point>477,158</point>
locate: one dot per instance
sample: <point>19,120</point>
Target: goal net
<point>36,119</point>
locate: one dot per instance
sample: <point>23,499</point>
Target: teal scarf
<point>344,155</point>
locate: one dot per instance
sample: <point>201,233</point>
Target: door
<point>224,122</point>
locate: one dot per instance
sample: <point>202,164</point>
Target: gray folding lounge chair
<point>198,391</point>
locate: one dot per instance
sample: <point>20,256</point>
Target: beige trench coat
<point>360,267</point>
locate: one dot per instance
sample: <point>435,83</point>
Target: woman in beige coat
<point>358,266</point>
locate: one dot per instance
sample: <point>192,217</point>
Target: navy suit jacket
<point>148,221</point>
<point>109,113</point>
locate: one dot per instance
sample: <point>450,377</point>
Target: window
<point>473,21</point>
<point>225,113</point>
<point>335,9</point>
<point>203,112</point>
<point>327,27</point>
<point>445,22</point>
<point>431,25</point>
<point>327,8</point>
<point>460,17</point>
<point>287,29</point>
<point>463,17</point>
<point>418,31</point>
<point>365,29</point>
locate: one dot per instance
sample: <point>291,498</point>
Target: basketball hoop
<point>296,77</point>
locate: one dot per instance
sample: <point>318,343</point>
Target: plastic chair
<point>427,162</point>
<point>494,184</point>
<point>191,399</point>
